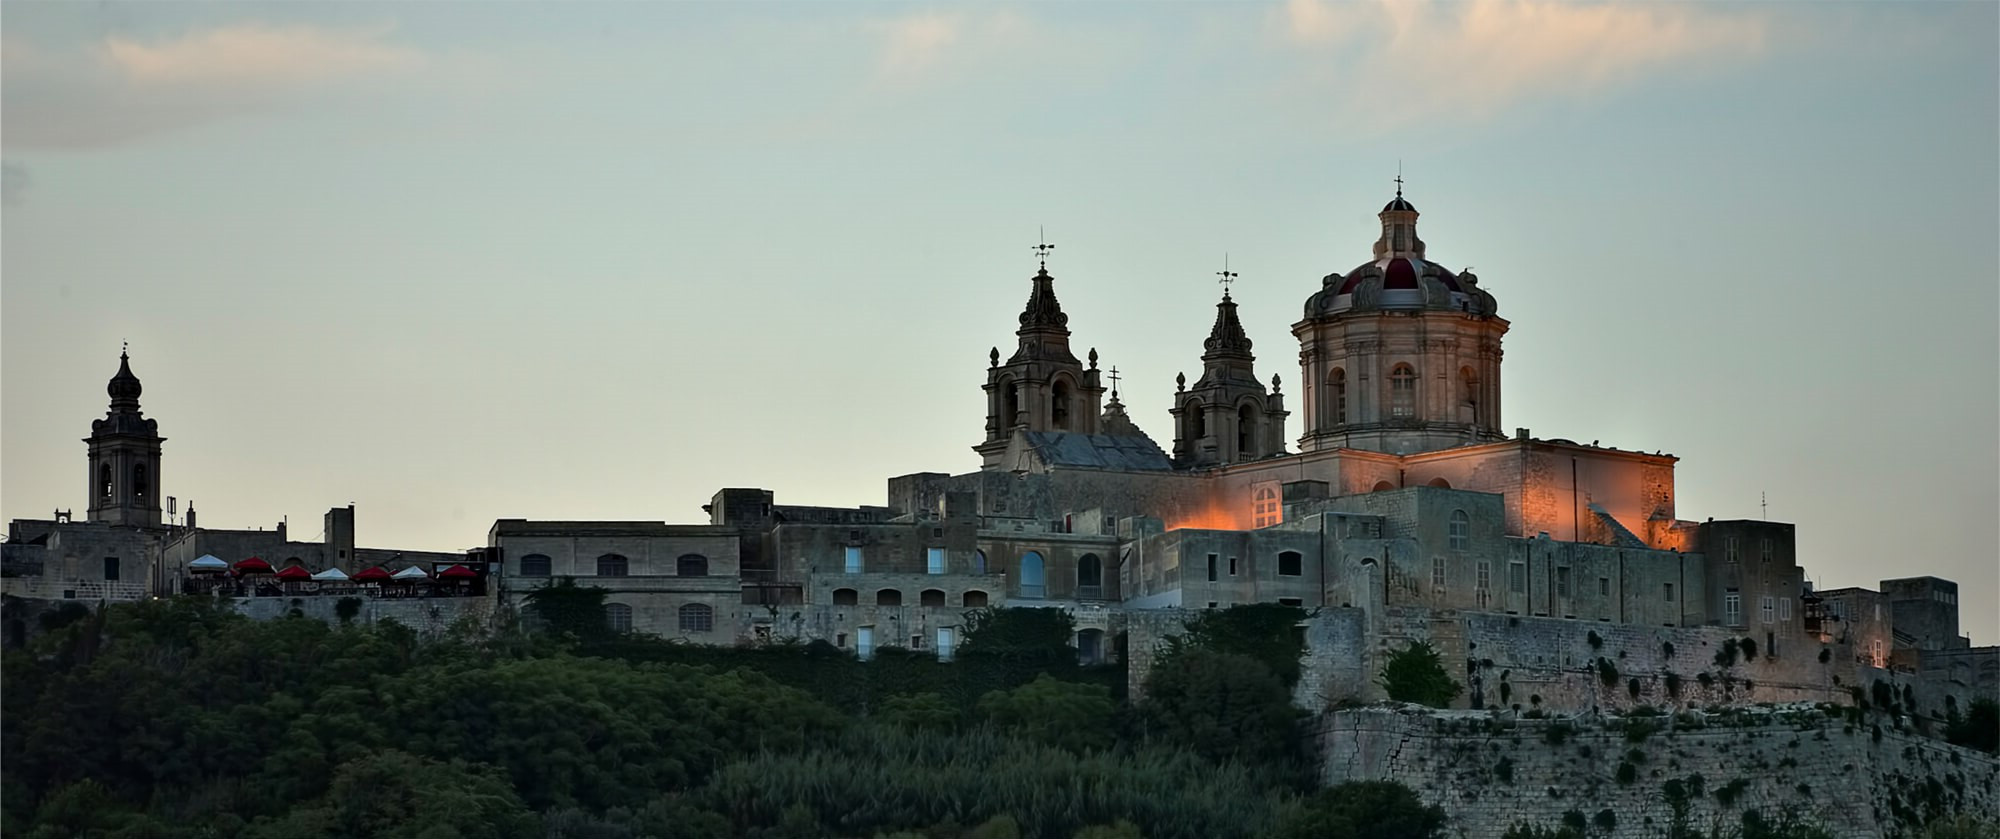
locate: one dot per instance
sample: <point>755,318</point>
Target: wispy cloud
<point>927,43</point>
<point>1400,61</point>
<point>120,88</point>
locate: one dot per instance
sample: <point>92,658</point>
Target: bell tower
<point>1042,387</point>
<point>1227,417</point>
<point>124,475</point>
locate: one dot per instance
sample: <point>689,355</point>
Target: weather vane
<point>1227,275</point>
<point>1042,250</point>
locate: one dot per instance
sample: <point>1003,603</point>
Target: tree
<point>1069,715</point>
<point>1414,674</point>
<point>1979,729</point>
<point>920,711</point>
<point>1039,635</point>
<point>566,608</point>
<point>1267,632</point>
<point>395,795</point>
<point>1223,706</point>
<point>1364,810</point>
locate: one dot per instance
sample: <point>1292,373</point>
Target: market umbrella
<point>457,572</point>
<point>253,565</point>
<point>208,564</point>
<point>294,572</point>
<point>331,575</point>
<point>372,575</point>
<point>411,573</point>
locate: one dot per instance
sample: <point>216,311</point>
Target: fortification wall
<point>429,616</point>
<point>1492,771</point>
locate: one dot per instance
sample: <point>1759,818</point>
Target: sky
<point>455,262</point>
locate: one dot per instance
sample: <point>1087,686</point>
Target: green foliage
<point>1596,640</point>
<point>1728,793</point>
<point>1067,715</point>
<point>1978,729</point>
<point>394,795</point>
<point>1667,649</point>
<point>1787,825</point>
<point>1962,826</point>
<point>346,608</point>
<point>1120,829</point>
<point>567,609</point>
<point>1363,810</point>
<point>1607,672</point>
<point>64,615</point>
<point>1504,770</point>
<point>1605,820</point>
<point>1749,648</point>
<point>1223,706</point>
<point>920,712</point>
<point>1414,674</point>
<point>1726,656</point>
<point>1627,773</point>
<point>1266,632</point>
<point>1825,654</point>
<point>1673,683</point>
<point>1035,635</point>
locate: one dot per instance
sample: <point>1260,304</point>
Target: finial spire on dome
<point>124,388</point>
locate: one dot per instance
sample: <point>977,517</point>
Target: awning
<point>330,575</point>
<point>457,572</point>
<point>253,565</point>
<point>411,573</point>
<point>294,572</point>
<point>208,562</point>
<point>374,574</point>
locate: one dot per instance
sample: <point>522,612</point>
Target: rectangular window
<point>1767,550</point>
<point>613,565</point>
<point>1291,564</point>
<point>1232,566</point>
<point>1517,578</point>
<point>1768,609</point>
<point>852,564</point>
<point>1437,573</point>
<point>1729,549</point>
<point>936,563</point>
<point>111,569</point>
<point>1603,586</point>
<point>1211,567</point>
<point>864,642</point>
<point>1784,610</point>
<point>1732,608</point>
<point>947,642</point>
<point>1485,576</point>
<point>1667,592</point>
<point>1562,582</point>
<point>1290,601</point>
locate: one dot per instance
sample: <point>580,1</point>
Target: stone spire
<point>1043,312</point>
<point>1226,338</point>
<point>124,387</point>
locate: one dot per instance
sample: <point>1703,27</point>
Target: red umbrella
<point>458,572</point>
<point>253,565</point>
<point>372,575</point>
<point>294,572</point>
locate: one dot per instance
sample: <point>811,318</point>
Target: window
<point>851,560</point>
<point>1246,432</point>
<point>1562,582</point>
<point>534,565</point>
<point>691,565</point>
<point>864,642</point>
<point>1732,608</point>
<point>1437,574</point>
<point>1767,552</point>
<point>1667,592</point>
<point>1468,382</point>
<point>974,600</point>
<point>1461,530</point>
<point>1875,652</point>
<point>1232,566</point>
<point>1198,418</point>
<point>978,562</point>
<point>1784,610</point>
<point>697,617</point>
<point>1604,587</point>
<point>1517,578</point>
<point>916,642</point>
<point>612,565</point>
<point>1729,549</point>
<point>846,597</point>
<point>111,569</point>
<point>1090,647</point>
<point>139,486</point>
<point>1337,384</point>
<point>1768,609</point>
<point>889,597</point>
<point>1291,601</point>
<point>104,481</point>
<point>935,560</point>
<point>1033,586</point>
<point>947,642</point>
<point>1264,508</point>
<point>1291,564</point>
<point>618,617</point>
<point>1485,580</point>
<point>932,597</point>
<point>1211,567</point>
<point>1059,405</point>
<point>1403,392</point>
<point>1089,577</point>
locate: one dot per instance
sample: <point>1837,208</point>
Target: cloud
<point>1399,61</point>
<point>118,88</point>
<point>920,45</point>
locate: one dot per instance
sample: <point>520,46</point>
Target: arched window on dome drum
<point>1246,432</point>
<point>1468,387</point>
<point>1059,405</point>
<point>139,485</point>
<point>697,617</point>
<point>1337,385</point>
<point>1403,392</point>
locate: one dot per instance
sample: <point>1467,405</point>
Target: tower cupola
<point>1227,416</point>
<point>124,477</point>
<point>1042,387</point>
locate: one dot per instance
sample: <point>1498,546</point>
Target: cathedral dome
<point>1399,282</point>
<point>1399,205</point>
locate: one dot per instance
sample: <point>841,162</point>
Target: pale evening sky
<point>453,262</point>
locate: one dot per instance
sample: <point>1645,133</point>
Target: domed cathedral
<point>1227,417</point>
<point>125,457</point>
<point>1042,387</point>
<point>1400,355</point>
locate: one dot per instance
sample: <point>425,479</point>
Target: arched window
<point>1383,486</point>
<point>697,617</point>
<point>535,565</point>
<point>1440,483</point>
<point>974,600</point>
<point>691,565</point>
<point>618,617</point>
<point>1090,646</point>
<point>1089,577</point>
<point>1059,405</point>
<point>104,481</point>
<point>612,565</point>
<point>1246,432</point>
<point>1291,564</point>
<point>1461,530</point>
<point>1403,391</point>
<point>846,597</point>
<point>931,597</point>
<point>978,562</point>
<point>1337,383</point>
<point>1033,586</point>
<point>889,597</point>
<point>1264,508</point>
<point>1010,404</point>
<point>139,485</point>
<point>1468,386</point>
<point>1197,419</point>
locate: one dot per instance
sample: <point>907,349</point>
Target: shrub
<point>1978,729</point>
<point>1527,831</point>
<point>1673,681</point>
<point>1667,649</point>
<point>1825,655</point>
<point>1266,632</point>
<point>1364,810</point>
<point>1607,672</point>
<point>1627,773</point>
<point>1605,820</point>
<point>1632,687</point>
<point>1749,648</point>
<point>1596,641</point>
<point>1504,770</point>
<point>1414,674</point>
<point>1224,706</point>
<point>1067,715</point>
<point>1726,657</point>
<point>1728,793</point>
<point>346,608</point>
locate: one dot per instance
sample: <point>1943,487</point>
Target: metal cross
<point>1042,250</point>
<point>1399,179</point>
<point>1114,380</point>
<point>1227,275</point>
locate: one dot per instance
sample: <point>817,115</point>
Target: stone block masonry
<point>1491,771</point>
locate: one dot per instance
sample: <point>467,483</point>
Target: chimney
<point>190,519</point>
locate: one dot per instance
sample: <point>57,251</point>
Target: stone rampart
<point>1491,771</point>
<point>429,616</point>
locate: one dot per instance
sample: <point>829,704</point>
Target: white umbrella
<point>410,573</point>
<point>331,575</point>
<point>208,562</point>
